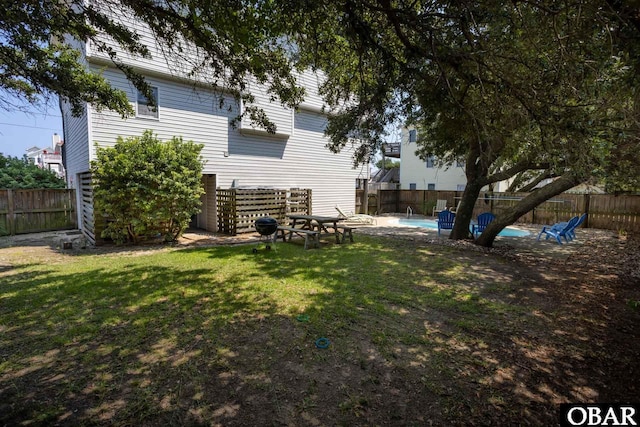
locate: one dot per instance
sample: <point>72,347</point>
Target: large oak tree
<point>507,87</point>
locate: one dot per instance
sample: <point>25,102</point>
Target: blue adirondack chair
<point>572,233</point>
<point>445,220</point>
<point>558,233</point>
<point>483,220</point>
<point>559,226</point>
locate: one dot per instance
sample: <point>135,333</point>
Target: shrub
<point>147,187</point>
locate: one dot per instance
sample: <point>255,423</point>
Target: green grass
<point>175,337</point>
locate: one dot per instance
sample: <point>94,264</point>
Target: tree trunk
<point>475,172</point>
<point>525,205</point>
<point>464,214</point>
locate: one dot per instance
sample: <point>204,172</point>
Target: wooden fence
<point>605,211</point>
<point>239,208</point>
<point>32,211</point>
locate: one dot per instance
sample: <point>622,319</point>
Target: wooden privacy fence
<point>239,208</point>
<point>32,211</point>
<point>605,211</point>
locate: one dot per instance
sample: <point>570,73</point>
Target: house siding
<point>76,147</point>
<point>184,111</point>
<point>300,160</point>
<point>163,64</point>
<point>157,62</point>
<point>414,170</point>
<point>282,117</point>
<point>312,81</point>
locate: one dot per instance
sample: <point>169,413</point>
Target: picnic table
<point>312,226</point>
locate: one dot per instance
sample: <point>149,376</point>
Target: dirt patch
<point>49,246</point>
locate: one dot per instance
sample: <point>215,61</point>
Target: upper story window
<point>431,186</point>
<point>413,136</point>
<point>460,163</point>
<point>430,161</point>
<point>144,109</point>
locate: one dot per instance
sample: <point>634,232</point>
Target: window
<point>412,186</point>
<point>460,187</point>
<point>460,163</point>
<point>430,161</point>
<point>413,136</point>
<point>146,110</point>
<point>431,186</point>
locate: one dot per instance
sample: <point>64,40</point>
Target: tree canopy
<point>387,164</point>
<point>18,173</point>
<point>235,39</point>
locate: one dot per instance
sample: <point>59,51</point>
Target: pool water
<point>429,223</point>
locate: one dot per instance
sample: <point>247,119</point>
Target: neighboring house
<point>295,157</point>
<point>586,188</point>
<point>48,158</point>
<point>419,174</point>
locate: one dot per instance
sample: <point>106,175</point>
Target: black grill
<point>267,228</point>
<point>266,225</point>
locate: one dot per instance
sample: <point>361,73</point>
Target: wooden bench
<point>300,232</point>
<point>345,231</point>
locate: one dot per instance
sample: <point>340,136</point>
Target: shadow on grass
<point>81,344</point>
<point>211,336</point>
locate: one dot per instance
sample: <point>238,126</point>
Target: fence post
<point>533,215</point>
<point>587,201</point>
<point>365,198</point>
<point>423,208</point>
<point>11,225</point>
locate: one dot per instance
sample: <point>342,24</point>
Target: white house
<point>295,157</point>
<point>418,174</point>
<point>49,157</point>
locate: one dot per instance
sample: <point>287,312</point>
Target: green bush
<point>147,187</point>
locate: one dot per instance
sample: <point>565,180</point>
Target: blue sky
<point>19,130</point>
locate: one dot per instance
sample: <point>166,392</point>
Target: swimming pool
<point>429,223</point>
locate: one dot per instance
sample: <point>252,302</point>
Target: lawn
<point>417,334</point>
